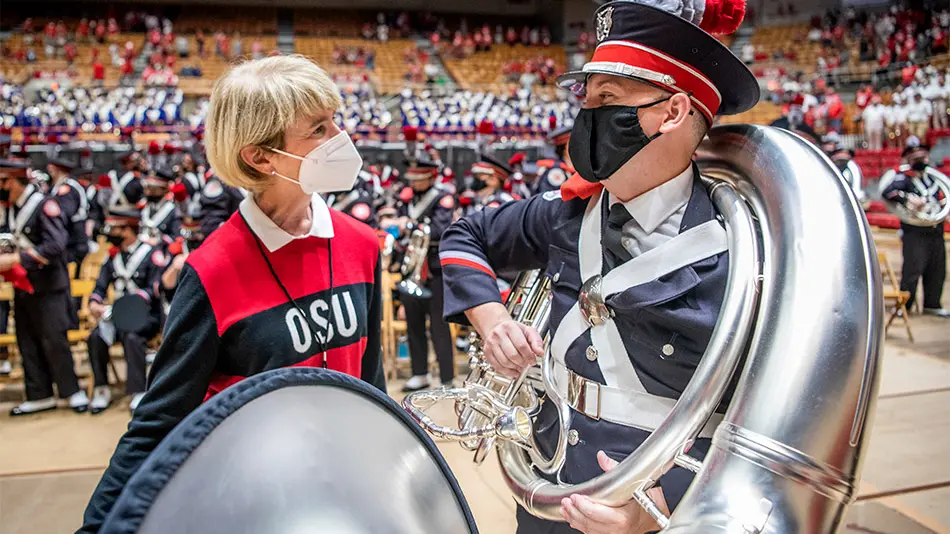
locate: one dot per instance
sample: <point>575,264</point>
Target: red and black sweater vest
<point>259,329</point>
<point>230,320</point>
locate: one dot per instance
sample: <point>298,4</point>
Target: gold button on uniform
<point>573,437</point>
<point>592,353</point>
<point>667,350</point>
<point>557,276</point>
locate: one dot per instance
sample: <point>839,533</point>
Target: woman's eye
<point>320,130</point>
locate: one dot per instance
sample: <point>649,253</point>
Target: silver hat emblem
<point>604,22</point>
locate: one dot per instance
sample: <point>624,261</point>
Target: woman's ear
<point>258,158</point>
<point>681,107</point>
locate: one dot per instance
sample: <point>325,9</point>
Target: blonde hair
<point>252,105</point>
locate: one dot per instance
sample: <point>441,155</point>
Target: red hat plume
<point>179,192</point>
<point>516,159</point>
<point>104,182</point>
<point>175,248</point>
<point>486,127</point>
<point>154,148</point>
<point>723,17</point>
<point>410,133</point>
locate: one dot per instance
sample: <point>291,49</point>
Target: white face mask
<point>332,166</point>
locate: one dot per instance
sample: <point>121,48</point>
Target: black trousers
<point>41,325</point>
<point>134,346</point>
<point>4,325</point>
<point>416,312</point>
<point>924,257</point>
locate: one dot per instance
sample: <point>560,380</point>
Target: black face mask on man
<point>919,165</point>
<point>5,196</point>
<point>604,139</point>
<point>115,239</point>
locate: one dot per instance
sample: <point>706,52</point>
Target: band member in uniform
<point>41,308</point>
<point>430,204</point>
<point>127,188</point>
<point>491,174</point>
<point>649,100</point>
<point>286,281</point>
<point>793,120</point>
<point>187,189</point>
<point>133,272</point>
<point>75,207</point>
<point>219,201</point>
<point>98,195</point>
<point>161,221</point>
<point>357,202</point>
<point>554,172</point>
<point>923,248</point>
<point>189,240</point>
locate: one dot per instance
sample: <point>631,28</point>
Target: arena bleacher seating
<point>390,65</point>
<point>484,69</point>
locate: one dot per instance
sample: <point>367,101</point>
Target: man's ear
<point>678,113</point>
<point>258,158</point>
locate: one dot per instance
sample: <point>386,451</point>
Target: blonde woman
<point>286,281</point>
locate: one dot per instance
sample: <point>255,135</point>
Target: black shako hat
<point>673,48</point>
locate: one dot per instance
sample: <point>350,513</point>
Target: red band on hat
<point>687,79</point>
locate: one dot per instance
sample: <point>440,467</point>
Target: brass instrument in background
<point>8,243</point>
<point>414,262</point>
<point>855,178</point>
<point>787,456</point>
<point>386,249</point>
<point>933,212</point>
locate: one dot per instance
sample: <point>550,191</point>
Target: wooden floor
<point>50,463</point>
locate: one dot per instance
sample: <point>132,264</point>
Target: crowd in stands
<point>362,111</point>
<point>891,39</point>
<point>918,105</point>
<point>464,43</point>
<point>97,109</point>
<point>161,47</point>
<point>914,109</point>
<point>463,111</point>
<point>90,109</point>
<point>356,56</point>
<point>541,70</point>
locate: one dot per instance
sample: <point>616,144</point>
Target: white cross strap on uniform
<point>119,200</point>
<point>23,216</point>
<point>83,209</point>
<point>126,272</point>
<point>623,399</point>
<point>416,211</point>
<point>154,221</point>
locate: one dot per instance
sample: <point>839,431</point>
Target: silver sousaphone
<point>801,321</point>
<point>932,212</point>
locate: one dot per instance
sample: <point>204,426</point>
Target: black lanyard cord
<point>323,341</point>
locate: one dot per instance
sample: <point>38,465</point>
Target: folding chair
<point>391,328</point>
<point>893,293</point>
<point>9,339</point>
